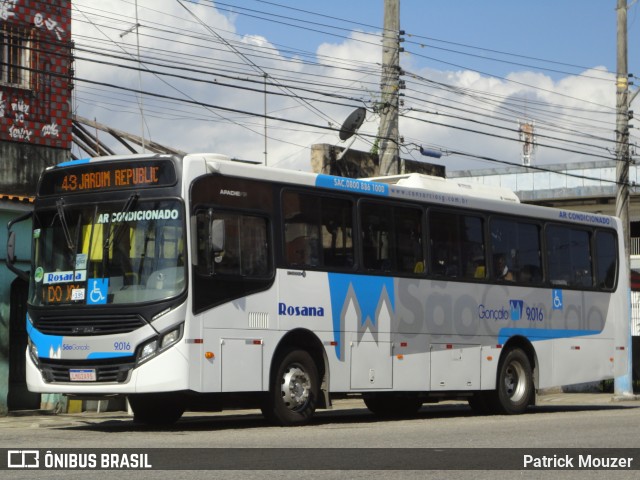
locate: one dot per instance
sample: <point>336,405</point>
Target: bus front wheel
<point>294,391</point>
<point>515,389</point>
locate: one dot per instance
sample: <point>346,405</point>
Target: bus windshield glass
<point>130,251</point>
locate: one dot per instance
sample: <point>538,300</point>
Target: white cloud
<point>560,109</point>
<point>169,33</point>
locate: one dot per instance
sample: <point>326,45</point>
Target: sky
<point>474,71</point>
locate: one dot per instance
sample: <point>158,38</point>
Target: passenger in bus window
<point>303,250</point>
<point>298,251</point>
<point>440,262</point>
<point>502,270</point>
<point>479,270</point>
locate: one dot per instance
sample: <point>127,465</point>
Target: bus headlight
<point>170,338</point>
<point>160,343</point>
<point>149,349</point>
<point>33,351</point>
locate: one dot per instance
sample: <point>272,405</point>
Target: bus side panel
<point>544,369</point>
<point>240,338</point>
<point>583,359</point>
<point>455,367</point>
<point>411,363</point>
<point>489,357</point>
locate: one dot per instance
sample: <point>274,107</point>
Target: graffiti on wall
<point>37,110</point>
<point>41,22</point>
<point>6,9</point>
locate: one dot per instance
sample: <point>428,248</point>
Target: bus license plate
<point>84,375</point>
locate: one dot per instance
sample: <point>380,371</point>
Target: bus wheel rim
<point>295,388</point>
<point>515,382</point>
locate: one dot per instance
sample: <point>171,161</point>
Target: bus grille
<point>109,370</point>
<point>94,325</point>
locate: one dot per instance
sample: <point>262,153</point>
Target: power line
<point>320,90</point>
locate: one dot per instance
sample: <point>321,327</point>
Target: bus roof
<point>444,185</point>
<point>372,186</point>
<point>417,187</point>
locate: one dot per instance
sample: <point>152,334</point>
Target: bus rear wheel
<point>156,409</point>
<point>294,391</point>
<point>515,389</point>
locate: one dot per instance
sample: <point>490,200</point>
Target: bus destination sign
<point>93,177</point>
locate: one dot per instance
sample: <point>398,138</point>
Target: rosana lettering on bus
<point>300,310</point>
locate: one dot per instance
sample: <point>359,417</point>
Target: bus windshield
<point>121,252</point>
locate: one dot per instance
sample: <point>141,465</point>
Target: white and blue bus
<point>199,282</point>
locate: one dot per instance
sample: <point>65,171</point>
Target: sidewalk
<point>49,419</point>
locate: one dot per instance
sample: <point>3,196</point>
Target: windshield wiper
<point>65,226</point>
<point>115,233</point>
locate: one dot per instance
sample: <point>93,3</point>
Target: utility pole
<point>265,75</point>
<point>528,139</point>
<point>140,99</point>
<point>388,131</point>
<point>622,385</point>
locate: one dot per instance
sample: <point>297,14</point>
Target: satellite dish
<point>352,123</point>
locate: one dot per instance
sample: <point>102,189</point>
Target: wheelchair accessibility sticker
<point>97,291</point>
<point>557,299</point>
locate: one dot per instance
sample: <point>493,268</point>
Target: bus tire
<point>294,391</point>
<point>514,392</point>
<point>156,409</point>
<point>392,405</point>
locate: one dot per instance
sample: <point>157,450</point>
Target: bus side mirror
<point>11,248</point>
<point>216,236</point>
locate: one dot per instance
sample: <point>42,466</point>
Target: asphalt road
<point>449,436</point>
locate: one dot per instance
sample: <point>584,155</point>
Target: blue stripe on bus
<point>50,346</point>
<point>534,334</point>
<point>73,162</point>
<point>352,185</point>
<point>47,345</point>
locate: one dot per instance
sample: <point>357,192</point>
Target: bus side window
<point>569,256</point>
<point>606,259</point>
<point>392,238</point>
<point>444,243</point>
<point>231,244</point>
<point>298,251</point>
<point>408,230</point>
<point>317,230</point>
<point>516,244</point>
<point>375,224</point>
<point>457,245</point>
